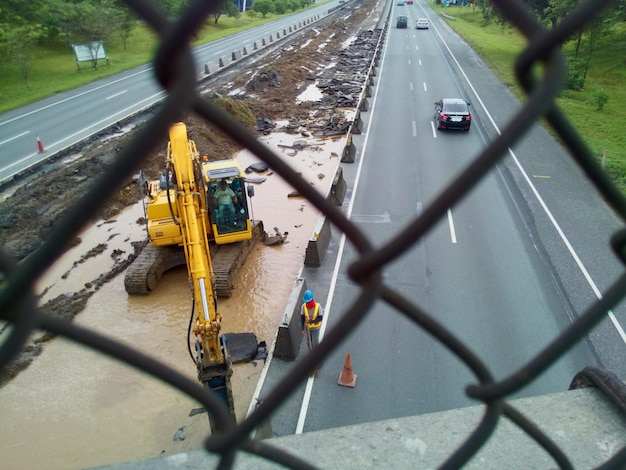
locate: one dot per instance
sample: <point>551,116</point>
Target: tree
<point>18,45</point>
<point>263,6</point>
<point>228,8</point>
<point>280,7</point>
<point>87,21</point>
<point>126,21</point>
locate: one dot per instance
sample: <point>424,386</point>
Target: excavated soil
<point>269,84</point>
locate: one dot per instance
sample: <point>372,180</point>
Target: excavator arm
<point>213,362</point>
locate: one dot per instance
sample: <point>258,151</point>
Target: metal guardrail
<point>175,70</point>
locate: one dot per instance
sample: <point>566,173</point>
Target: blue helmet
<point>308,296</point>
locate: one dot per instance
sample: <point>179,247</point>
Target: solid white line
<point>570,248</point>
<point>14,137</point>
<point>103,120</point>
<point>451,224</point>
<point>116,94</point>
<point>76,96</point>
<point>331,292</point>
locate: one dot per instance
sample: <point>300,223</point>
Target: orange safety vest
<point>314,325</point>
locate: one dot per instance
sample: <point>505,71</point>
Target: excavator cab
<point>229,213</point>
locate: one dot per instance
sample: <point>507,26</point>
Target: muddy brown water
<point>75,408</point>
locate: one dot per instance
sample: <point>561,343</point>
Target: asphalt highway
<point>61,121</point>
<point>507,269</point>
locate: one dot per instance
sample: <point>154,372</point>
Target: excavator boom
<point>191,202</point>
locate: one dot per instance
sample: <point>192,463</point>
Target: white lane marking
<point>414,129</point>
<point>27,157</point>
<point>331,292</point>
<point>54,144</point>
<point>419,61</point>
<point>56,103</point>
<point>425,87</point>
<point>564,239</point>
<point>14,137</point>
<point>116,95</point>
<point>432,126</point>
<point>411,86</point>
<point>451,224</point>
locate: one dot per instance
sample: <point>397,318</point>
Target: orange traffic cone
<point>347,378</point>
<point>40,146</point>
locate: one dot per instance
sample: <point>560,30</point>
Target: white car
<point>421,23</point>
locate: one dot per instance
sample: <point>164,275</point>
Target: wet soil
<point>31,206</point>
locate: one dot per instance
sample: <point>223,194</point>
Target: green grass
<point>54,70</point>
<point>601,130</point>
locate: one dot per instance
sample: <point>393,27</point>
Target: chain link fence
<point>174,67</point>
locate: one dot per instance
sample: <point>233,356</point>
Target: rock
<point>259,167</point>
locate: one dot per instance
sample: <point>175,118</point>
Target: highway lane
<point>67,118</point>
<point>482,272</point>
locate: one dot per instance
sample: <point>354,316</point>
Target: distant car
<point>453,113</point>
<point>409,2</point>
<point>402,22</point>
<point>401,2</point>
<point>421,23</point>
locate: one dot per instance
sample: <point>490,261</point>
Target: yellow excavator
<point>229,228</point>
<point>195,206</point>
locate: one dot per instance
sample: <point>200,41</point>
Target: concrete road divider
<point>289,332</point>
<point>357,123</point>
<point>210,68</point>
<point>349,151</point>
<point>338,188</point>
<point>318,243</point>
<point>236,55</point>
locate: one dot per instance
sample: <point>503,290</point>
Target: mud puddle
<point>74,408</point>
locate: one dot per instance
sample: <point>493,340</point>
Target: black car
<point>402,22</point>
<point>453,113</point>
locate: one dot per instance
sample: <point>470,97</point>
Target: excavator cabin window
<point>228,205</point>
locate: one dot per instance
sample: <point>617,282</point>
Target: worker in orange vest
<point>311,314</point>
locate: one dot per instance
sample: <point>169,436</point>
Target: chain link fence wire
<point>175,70</point>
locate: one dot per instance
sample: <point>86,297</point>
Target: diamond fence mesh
<point>175,70</point>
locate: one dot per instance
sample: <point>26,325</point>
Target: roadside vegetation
<point>37,60</point>
<point>594,98</point>
<point>36,37</point>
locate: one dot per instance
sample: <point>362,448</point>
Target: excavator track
<point>143,275</point>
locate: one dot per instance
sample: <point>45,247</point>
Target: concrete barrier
<point>338,188</point>
<point>245,50</point>
<point>349,151</point>
<point>236,56</point>
<point>222,61</point>
<point>318,243</point>
<point>364,105</point>
<point>357,124</point>
<point>210,68</point>
<point>289,332</point>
